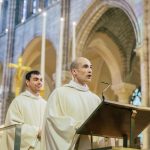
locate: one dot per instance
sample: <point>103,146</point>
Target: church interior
<point>46,35</point>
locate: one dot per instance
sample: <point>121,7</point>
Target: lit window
<point>136,97</point>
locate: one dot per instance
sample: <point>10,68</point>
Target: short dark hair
<point>73,65</point>
<point>28,75</point>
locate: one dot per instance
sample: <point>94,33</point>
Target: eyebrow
<point>86,65</point>
<point>36,78</point>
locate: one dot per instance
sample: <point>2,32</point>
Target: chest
<point>32,110</point>
<point>79,103</point>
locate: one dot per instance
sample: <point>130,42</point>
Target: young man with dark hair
<point>27,108</point>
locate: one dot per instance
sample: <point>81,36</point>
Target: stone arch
<point>32,55</point>
<point>105,59</point>
<point>109,53</point>
<point>118,69</point>
<point>95,11</point>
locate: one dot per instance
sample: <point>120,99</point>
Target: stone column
<point>144,54</point>
<point>65,9</point>
<point>7,73</point>
<point>123,91</point>
<point>141,52</point>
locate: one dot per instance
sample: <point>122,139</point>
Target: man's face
<point>83,73</point>
<point>35,83</point>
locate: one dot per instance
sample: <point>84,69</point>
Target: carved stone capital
<point>123,91</point>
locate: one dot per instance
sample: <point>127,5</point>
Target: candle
<point>43,48</point>
<point>60,55</point>
<point>74,41</point>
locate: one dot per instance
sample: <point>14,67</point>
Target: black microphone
<point>105,89</point>
<point>105,83</point>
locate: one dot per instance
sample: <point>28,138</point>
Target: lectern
<point>113,119</point>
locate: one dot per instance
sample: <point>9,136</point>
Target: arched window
<point>136,97</point>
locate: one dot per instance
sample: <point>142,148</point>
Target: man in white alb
<point>68,107</point>
<point>27,108</point>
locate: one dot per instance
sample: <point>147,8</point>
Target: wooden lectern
<point>113,119</point>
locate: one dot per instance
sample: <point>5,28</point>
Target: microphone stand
<point>104,90</point>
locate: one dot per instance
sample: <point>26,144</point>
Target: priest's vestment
<point>28,110</point>
<point>68,107</point>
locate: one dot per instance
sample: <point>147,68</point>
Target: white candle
<point>60,55</point>
<point>74,41</point>
<point>43,48</point>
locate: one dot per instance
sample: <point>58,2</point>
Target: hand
<point>39,134</point>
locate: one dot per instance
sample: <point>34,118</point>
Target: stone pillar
<point>65,9</point>
<point>141,52</point>
<point>144,54</point>
<point>123,91</point>
<point>7,73</point>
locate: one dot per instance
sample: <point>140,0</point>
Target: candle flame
<point>62,19</point>
<point>74,23</point>
<point>44,13</point>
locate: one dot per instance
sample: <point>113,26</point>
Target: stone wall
<point>32,28</point>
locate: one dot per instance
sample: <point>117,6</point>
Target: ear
<point>27,82</point>
<point>74,71</point>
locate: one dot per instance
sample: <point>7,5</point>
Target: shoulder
<point>16,104</point>
<point>17,99</point>
<point>20,99</point>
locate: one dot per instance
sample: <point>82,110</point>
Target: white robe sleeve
<point>28,132</point>
<point>59,128</point>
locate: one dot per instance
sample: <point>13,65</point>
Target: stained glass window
<point>136,97</point>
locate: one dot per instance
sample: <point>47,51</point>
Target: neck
<point>34,93</point>
<point>82,84</point>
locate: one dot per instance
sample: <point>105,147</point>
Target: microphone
<point>105,89</point>
<point>105,83</point>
